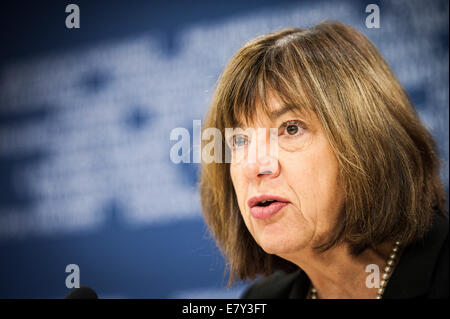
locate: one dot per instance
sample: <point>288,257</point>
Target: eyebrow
<point>275,114</point>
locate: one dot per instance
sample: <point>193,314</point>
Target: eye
<point>239,140</point>
<point>292,127</point>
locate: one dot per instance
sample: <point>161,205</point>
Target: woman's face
<point>303,178</point>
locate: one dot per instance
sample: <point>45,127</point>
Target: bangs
<point>268,72</point>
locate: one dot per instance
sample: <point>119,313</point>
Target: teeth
<point>267,201</point>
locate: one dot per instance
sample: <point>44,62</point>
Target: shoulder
<point>279,285</point>
<point>440,282</point>
<point>423,267</point>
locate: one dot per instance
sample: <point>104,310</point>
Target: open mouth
<point>264,206</point>
<point>265,203</point>
<point>265,200</point>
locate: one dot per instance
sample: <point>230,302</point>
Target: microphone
<point>84,292</point>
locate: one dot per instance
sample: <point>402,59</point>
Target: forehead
<point>263,114</point>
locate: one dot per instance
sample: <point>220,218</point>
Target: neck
<point>337,274</point>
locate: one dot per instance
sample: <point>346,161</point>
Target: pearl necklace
<point>390,263</point>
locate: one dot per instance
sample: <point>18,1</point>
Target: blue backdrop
<point>85,120</point>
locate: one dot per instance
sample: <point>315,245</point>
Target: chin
<point>280,245</point>
<point>280,239</point>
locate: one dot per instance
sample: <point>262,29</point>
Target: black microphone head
<point>83,292</point>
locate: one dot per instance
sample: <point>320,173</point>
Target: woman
<point>351,205</point>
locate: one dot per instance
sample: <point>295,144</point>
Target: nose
<point>263,166</point>
<point>262,157</point>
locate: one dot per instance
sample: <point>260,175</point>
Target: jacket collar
<point>413,275</point>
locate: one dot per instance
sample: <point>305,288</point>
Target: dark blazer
<point>422,272</point>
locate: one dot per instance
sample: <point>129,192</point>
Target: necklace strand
<point>387,272</point>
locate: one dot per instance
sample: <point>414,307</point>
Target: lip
<point>261,212</point>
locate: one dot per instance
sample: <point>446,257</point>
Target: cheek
<point>313,177</point>
<point>239,184</point>
<point>234,176</point>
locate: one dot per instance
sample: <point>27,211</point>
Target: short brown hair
<point>388,162</point>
